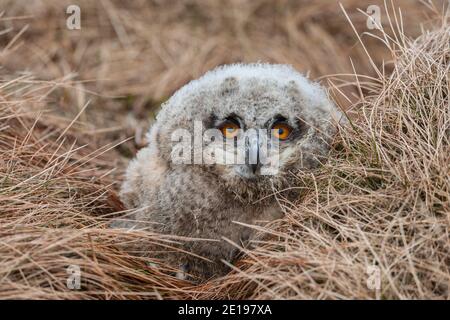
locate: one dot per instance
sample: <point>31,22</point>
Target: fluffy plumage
<point>202,201</point>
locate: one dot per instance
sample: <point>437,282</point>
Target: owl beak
<point>253,160</point>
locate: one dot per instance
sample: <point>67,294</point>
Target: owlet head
<point>249,125</point>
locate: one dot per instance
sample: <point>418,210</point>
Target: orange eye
<point>229,129</point>
<point>281,130</point>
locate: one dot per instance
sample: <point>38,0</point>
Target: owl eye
<point>281,130</point>
<point>229,129</point>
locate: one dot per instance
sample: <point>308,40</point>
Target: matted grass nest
<point>381,202</point>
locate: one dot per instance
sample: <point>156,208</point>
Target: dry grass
<point>383,198</point>
<point>56,197</point>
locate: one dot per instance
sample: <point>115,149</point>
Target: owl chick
<point>204,197</point>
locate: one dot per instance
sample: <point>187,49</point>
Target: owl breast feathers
<point>220,150</point>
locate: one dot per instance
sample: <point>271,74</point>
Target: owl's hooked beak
<point>253,160</point>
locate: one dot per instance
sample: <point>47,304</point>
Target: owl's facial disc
<point>200,125</point>
<point>255,151</point>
